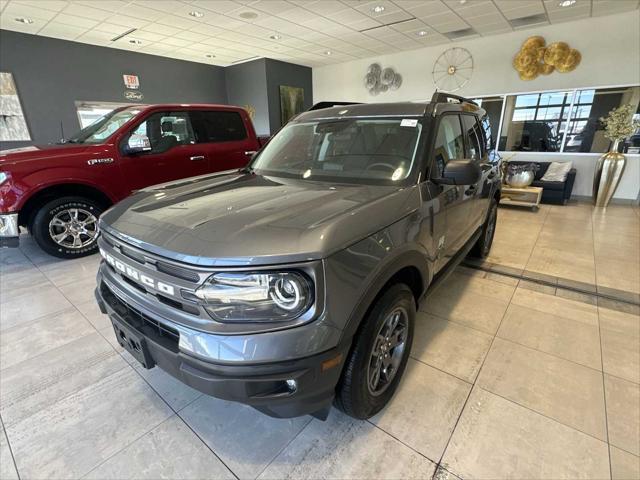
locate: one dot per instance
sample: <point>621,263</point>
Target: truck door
<point>226,137</point>
<point>174,153</point>
<point>455,200</point>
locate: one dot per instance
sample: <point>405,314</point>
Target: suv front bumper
<point>9,230</point>
<point>285,389</point>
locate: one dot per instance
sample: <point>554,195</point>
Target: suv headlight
<point>3,177</point>
<point>256,296</point>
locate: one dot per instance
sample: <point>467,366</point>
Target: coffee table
<point>521,197</point>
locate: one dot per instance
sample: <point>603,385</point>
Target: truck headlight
<point>256,296</point>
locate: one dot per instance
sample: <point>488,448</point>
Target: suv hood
<point>237,218</point>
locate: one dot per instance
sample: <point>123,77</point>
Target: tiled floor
<point>576,242</point>
<point>508,378</point>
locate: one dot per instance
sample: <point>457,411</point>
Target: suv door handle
<point>248,153</point>
<point>196,158</point>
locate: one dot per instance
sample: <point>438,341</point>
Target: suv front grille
<point>180,272</point>
<point>160,333</point>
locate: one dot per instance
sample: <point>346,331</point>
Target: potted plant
<point>619,125</point>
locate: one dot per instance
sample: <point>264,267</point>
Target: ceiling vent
<point>465,32</point>
<point>522,22</point>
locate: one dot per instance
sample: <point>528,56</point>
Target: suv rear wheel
<point>379,354</point>
<point>483,245</point>
<point>67,227</point>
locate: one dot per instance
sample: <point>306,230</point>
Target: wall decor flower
<point>535,58</point>
<point>379,80</point>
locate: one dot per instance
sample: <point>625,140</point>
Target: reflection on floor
<point>508,378</point>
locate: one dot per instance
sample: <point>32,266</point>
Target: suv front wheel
<point>67,227</point>
<point>379,354</point>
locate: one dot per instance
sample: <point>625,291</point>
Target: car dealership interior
<point>339,239</point>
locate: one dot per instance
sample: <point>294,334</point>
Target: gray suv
<point>293,283</point>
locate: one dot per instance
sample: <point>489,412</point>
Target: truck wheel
<point>379,354</point>
<point>483,245</point>
<point>67,227</point>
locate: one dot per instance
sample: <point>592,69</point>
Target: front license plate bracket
<point>133,343</point>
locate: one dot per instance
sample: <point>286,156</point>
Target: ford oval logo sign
<point>133,95</point>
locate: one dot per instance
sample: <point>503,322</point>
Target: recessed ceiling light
<point>275,37</point>
<point>248,15</point>
<point>196,14</point>
<point>135,41</point>
<point>567,3</point>
<point>210,55</point>
<point>421,33</point>
<point>327,52</point>
<point>378,9</point>
<point>26,20</point>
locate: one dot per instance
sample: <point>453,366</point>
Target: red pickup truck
<point>59,191</point>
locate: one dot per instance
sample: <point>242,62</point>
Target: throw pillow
<point>557,172</point>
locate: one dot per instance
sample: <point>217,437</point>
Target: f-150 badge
<point>96,161</point>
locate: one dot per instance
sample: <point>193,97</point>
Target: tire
<point>50,218</point>
<point>483,245</point>
<point>354,395</point>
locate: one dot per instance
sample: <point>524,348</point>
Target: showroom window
<point>166,130</point>
<point>586,132</point>
<point>211,126</point>
<point>565,121</point>
<point>535,122</point>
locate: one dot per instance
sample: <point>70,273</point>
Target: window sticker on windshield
<point>409,122</point>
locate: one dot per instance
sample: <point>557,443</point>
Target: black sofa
<point>556,193</point>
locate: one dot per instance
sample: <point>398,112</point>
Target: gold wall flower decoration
<point>536,58</point>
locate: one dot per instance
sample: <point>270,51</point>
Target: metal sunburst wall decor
<point>452,70</point>
<point>380,80</point>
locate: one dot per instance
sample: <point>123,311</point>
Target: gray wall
<point>282,73</point>
<point>247,85</point>
<point>51,75</point>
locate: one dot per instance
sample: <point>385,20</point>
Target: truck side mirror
<point>138,143</point>
<point>460,172</point>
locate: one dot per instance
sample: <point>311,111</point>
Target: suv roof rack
<point>321,105</point>
<point>444,97</point>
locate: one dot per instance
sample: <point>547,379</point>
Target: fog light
<point>292,385</point>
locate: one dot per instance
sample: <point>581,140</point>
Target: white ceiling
<point>348,29</point>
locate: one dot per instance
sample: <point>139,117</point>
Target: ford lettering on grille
<point>134,274</point>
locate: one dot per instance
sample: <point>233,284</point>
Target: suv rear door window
<point>166,130</point>
<point>212,126</point>
<point>475,151</point>
<point>449,143</point>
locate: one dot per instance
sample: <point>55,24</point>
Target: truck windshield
<point>102,128</point>
<point>379,151</point>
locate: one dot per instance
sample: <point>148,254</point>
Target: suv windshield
<point>347,150</point>
<point>102,128</point>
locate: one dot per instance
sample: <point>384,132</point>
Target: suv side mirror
<point>460,172</point>
<point>138,143</point>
